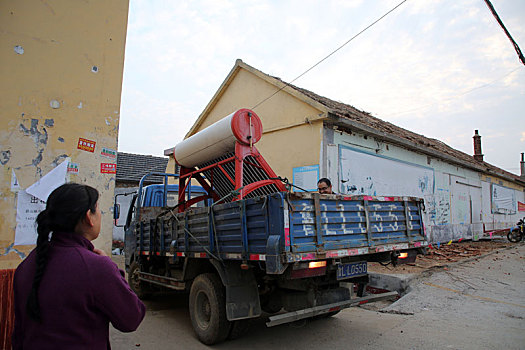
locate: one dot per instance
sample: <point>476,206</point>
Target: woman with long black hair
<point>67,291</point>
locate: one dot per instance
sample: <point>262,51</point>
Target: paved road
<point>475,305</point>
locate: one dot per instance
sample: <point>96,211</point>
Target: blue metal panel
<point>343,223</point>
<point>154,194</point>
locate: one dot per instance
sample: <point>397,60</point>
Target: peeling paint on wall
<point>54,104</point>
<point>39,137</point>
<point>15,185</point>
<point>5,156</point>
<point>38,158</point>
<point>57,159</point>
<point>109,183</point>
<point>10,249</point>
<point>19,49</point>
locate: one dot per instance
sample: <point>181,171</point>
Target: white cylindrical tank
<point>243,126</point>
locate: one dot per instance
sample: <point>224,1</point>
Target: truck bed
<point>295,227</point>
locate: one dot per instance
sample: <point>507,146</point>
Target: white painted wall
<point>458,200</point>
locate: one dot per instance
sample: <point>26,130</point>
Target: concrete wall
<point>458,204</point>
<point>62,65</point>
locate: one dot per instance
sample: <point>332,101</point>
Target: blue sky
<point>438,68</point>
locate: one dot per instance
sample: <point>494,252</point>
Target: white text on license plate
<point>351,270</point>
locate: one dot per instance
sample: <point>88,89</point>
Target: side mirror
<point>116,211</point>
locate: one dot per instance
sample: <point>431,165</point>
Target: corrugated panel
<point>340,224</point>
<point>343,224</point>
<point>253,172</point>
<point>228,228</point>
<point>196,222</point>
<point>131,167</point>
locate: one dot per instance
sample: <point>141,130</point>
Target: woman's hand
<point>99,252</point>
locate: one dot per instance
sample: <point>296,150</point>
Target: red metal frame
<point>241,152</point>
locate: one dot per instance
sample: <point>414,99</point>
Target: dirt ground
<point>477,304</point>
<point>445,255</point>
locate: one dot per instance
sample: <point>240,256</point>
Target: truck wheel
<point>272,304</point>
<point>239,328</point>
<point>208,309</point>
<point>139,287</point>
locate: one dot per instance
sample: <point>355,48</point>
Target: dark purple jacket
<point>80,293</point>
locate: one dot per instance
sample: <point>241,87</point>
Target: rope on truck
<point>234,192</point>
<point>287,183</point>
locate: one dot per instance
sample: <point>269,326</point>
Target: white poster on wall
<point>27,209</point>
<point>56,177</point>
<point>503,200</point>
<point>369,174</point>
<point>306,177</point>
<point>32,201</point>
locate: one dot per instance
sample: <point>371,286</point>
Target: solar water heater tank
<point>243,126</point>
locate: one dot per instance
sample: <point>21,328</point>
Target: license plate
<point>351,270</point>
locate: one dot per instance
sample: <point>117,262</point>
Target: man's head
<point>324,186</point>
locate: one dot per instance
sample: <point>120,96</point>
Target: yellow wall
<point>288,140</point>
<point>62,41</point>
<point>497,180</point>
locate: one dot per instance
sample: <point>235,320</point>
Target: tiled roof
<point>346,111</point>
<point>131,167</point>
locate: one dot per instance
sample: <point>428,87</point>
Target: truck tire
<point>273,304</point>
<point>239,328</point>
<point>208,309</point>
<point>139,287</point>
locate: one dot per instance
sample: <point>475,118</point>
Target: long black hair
<point>65,207</point>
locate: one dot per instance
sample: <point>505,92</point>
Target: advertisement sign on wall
<point>306,177</point>
<point>503,199</point>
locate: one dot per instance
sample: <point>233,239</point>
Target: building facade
<point>307,136</point>
<point>62,67</point>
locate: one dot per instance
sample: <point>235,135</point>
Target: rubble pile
<point>453,252</point>
<point>462,250</point>
<point>443,254</point>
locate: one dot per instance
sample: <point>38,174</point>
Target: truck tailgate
<point>336,225</point>
<point>287,227</point>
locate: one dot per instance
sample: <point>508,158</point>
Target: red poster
<point>108,168</point>
<point>521,206</point>
<point>86,145</point>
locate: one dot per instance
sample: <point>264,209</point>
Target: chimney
<point>522,167</point>
<point>477,147</point>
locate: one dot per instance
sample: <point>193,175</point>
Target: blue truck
<point>286,254</point>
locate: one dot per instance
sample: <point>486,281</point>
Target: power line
<point>516,47</point>
<point>330,54</point>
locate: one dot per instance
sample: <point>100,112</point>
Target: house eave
<point>336,120</point>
